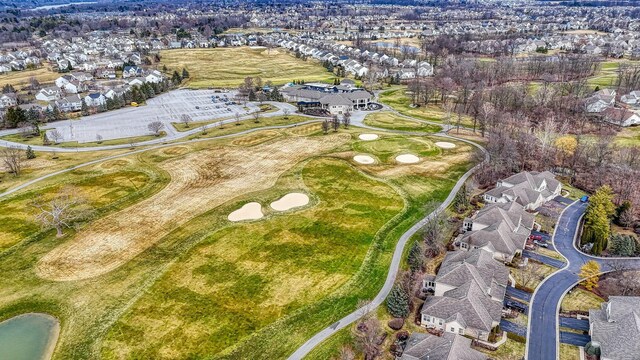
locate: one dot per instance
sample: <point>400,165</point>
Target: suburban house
<point>512,213</point>
<point>95,99</point>
<point>469,290</point>
<point>615,327</point>
<point>68,104</point>
<point>632,98</point>
<point>131,71</point>
<point>49,93</point>
<point>601,100</point>
<point>446,347</point>
<point>8,100</point>
<point>154,77</point>
<point>529,189</point>
<point>621,117</point>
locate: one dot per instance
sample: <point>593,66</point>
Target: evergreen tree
<point>30,153</point>
<point>252,95</point>
<point>84,109</point>
<point>185,73</point>
<point>398,302</point>
<point>175,78</point>
<point>415,258</point>
<point>597,219</point>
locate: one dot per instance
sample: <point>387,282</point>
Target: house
<point>8,100</point>
<point>154,77</point>
<point>95,99</point>
<point>601,100</point>
<point>449,346</point>
<point>49,93</point>
<point>499,239</point>
<point>615,327</point>
<point>632,98</point>
<point>529,189</point>
<point>106,74</point>
<point>131,71</point>
<point>622,117</point>
<point>337,99</point>
<point>512,213</point>
<point>139,81</point>
<point>69,103</point>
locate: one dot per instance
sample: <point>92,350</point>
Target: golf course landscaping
<point>162,265</point>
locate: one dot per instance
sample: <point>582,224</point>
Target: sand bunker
<point>407,159</point>
<point>250,211</point>
<point>368,137</point>
<point>290,201</point>
<point>445,145</point>
<point>364,159</point>
<point>200,181</point>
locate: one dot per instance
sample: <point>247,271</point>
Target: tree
<point>415,259</point>
<point>84,109</point>
<point>236,116</point>
<point>398,302</point>
<point>286,112</point>
<point>346,119</point>
<point>567,146</point>
<point>435,230</point>
<point>30,153</point>
<point>62,211</point>
<point>155,127</point>
<point>367,334</point>
<point>12,159</point>
<point>622,245</point>
<point>99,138</point>
<point>325,126</point>
<point>589,273</point>
<point>335,123</point>
<point>185,73</point>
<point>256,117</point>
<point>346,353</point>
<point>597,219</point>
<point>185,119</point>
<point>55,135</point>
<point>528,275</point>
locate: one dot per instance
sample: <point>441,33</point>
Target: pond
<point>29,337</point>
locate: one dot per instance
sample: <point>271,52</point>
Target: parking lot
<point>199,105</point>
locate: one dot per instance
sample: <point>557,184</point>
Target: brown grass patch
<point>255,139</point>
<point>117,163</point>
<point>199,182</point>
<point>306,130</point>
<point>176,150</point>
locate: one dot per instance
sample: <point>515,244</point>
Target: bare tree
<point>435,230</point>
<point>346,119</point>
<point>99,138</point>
<point>12,159</point>
<point>185,119</point>
<point>256,117</point>
<point>346,353</point>
<point>286,112</point>
<point>325,126</point>
<point>528,275</point>
<point>367,334</point>
<point>236,116</point>
<point>155,127</point>
<point>55,135</point>
<point>335,123</point>
<point>203,129</point>
<point>62,211</point>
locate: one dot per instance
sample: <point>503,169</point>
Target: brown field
<point>223,172</point>
<point>21,78</point>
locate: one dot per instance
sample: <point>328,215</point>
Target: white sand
<point>290,201</point>
<point>250,211</point>
<point>445,145</point>
<point>364,159</point>
<point>407,159</point>
<point>368,137</point>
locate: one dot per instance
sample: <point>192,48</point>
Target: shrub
<point>398,302</point>
<point>396,323</point>
<point>622,245</point>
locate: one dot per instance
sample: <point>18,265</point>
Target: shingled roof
<point>616,327</point>
<point>447,347</point>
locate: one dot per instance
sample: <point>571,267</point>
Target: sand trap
<point>407,159</point>
<point>445,145</point>
<point>368,137</point>
<point>290,201</point>
<point>364,159</point>
<point>250,211</point>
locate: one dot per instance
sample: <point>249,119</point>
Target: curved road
<point>543,329</point>
<point>303,350</point>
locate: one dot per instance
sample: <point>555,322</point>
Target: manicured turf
<point>228,67</point>
<point>580,299</point>
<point>391,121</point>
<point>74,144</point>
<point>210,288</point>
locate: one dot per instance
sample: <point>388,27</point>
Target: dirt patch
<point>290,201</point>
<point>250,211</point>
<point>200,181</point>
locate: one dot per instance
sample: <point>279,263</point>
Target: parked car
<point>510,304</point>
<point>541,243</point>
<point>535,237</point>
<point>584,199</point>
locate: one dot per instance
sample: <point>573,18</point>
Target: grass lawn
<point>510,350</point>
<point>629,136</point>
<point>388,147</point>
<point>397,98</point>
<point>569,352</point>
<point>571,192</point>
<point>264,109</point>
<point>244,125</point>
<point>228,67</point>
<point>21,78</point>
<point>544,271</point>
<point>580,299</point>
<point>391,121</point>
<point>210,288</point>
<point>74,144</point>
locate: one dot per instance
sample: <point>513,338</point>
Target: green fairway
<point>391,121</point>
<point>228,67</point>
<point>211,288</point>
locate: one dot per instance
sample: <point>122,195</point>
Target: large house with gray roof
<point>468,294</point>
<point>336,99</point>
<point>529,188</point>
<point>446,347</point>
<point>615,328</point>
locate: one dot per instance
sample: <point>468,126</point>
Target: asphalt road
<point>543,329</point>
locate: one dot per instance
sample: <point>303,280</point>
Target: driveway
<point>543,259</point>
<point>574,339</point>
<point>513,328</point>
<point>575,324</point>
<point>518,294</point>
<point>543,327</point>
